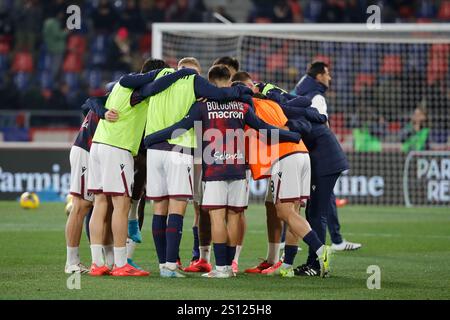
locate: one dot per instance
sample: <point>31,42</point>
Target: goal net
<point>389,95</point>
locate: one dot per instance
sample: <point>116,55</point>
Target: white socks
<point>97,254</point>
<point>109,255</point>
<point>237,254</point>
<point>319,251</point>
<point>133,213</point>
<point>120,256</point>
<point>73,257</point>
<point>273,252</point>
<point>131,245</point>
<point>171,266</point>
<point>205,252</point>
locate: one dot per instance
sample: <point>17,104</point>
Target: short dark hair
<point>241,76</point>
<point>219,72</point>
<point>315,68</point>
<point>228,61</point>
<point>153,64</point>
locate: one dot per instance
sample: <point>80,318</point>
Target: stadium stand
<point>45,67</point>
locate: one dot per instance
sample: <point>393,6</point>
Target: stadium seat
<point>363,80</point>
<point>72,80</point>
<point>22,80</point>
<point>145,44</point>
<point>391,64</point>
<point>73,63</point>
<point>23,62</point>
<point>394,127</point>
<point>46,80</point>
<point>437,67</point>
<point>4,65</point>
<point>5,44</point>
<point>76,44</point>
<point>444,11</point>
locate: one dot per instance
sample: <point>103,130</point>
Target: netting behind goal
<point>390,94</point>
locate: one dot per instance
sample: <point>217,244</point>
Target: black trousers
<point>319,208</point>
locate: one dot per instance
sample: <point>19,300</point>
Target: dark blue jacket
<point>327,156</point>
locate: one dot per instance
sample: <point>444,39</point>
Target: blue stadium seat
<point>22,80</point>
<point>46,80</point>
<point>72,80</point>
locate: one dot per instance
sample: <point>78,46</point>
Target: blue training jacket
<point>327,156</point>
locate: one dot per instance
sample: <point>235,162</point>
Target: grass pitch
<point>411,247</point>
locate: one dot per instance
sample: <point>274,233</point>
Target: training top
<point>126,132</point>
<point>262,156</point>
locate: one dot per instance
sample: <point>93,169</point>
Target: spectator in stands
<point>415,134</point>
<point>119,54</point>
<point>181,12</point>
<point>333,11</point>
<point>105,19</point>
<point>282,12</point>
<point>131,18</point>
<point>27,19</point>
<point>153,13</point>
<point>55,41</point>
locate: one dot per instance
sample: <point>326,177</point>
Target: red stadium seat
<point>324,58</point>
<point>363,80</point>
<point>391,64</point>
<point>73,63</point>
<point>145,44</point>
<point>5,44</point>
<point>394,127</point>
<point>444,11</point>
<point>76,44</point>
<point>23,62</point>
<point>437,67</point>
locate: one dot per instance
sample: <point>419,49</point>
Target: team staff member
<point>328,160</point>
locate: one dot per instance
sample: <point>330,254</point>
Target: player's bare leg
<point>299,227</point>
<point>274,229</point>
<point>108,240</point>
<point>240,241</point>
<point>96,227</point>
<point>74,228</point>
<point>235,234</point>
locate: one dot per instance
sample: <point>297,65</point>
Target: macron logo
<point>230,110</point>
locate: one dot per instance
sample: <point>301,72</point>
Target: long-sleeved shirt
<point>202,89</point>
<point>223,146</point>
<point>94,108</point>
<point>147,86</point>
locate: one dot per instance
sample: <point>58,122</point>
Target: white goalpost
<point>390,92</point>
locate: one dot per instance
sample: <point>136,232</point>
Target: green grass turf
<point>411,247</point>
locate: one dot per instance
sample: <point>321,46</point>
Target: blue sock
<point>159,225</point>
<point>312,240</point>
<point>220,253</point>
<point>195,249</point>
<point>289,254</point>
<point>283,232</point>
<point>173,235</point>
<point>231,251</point>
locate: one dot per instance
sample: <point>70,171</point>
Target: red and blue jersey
<point>223,142</point>
<point>87,131</point>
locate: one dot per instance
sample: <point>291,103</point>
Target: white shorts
<point>79,164</point>
<point>290,179</point>
<point>230,194</point>
<point>111,170</point>
<point>170,174</point>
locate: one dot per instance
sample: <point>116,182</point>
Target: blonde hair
<point>189,61</point>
